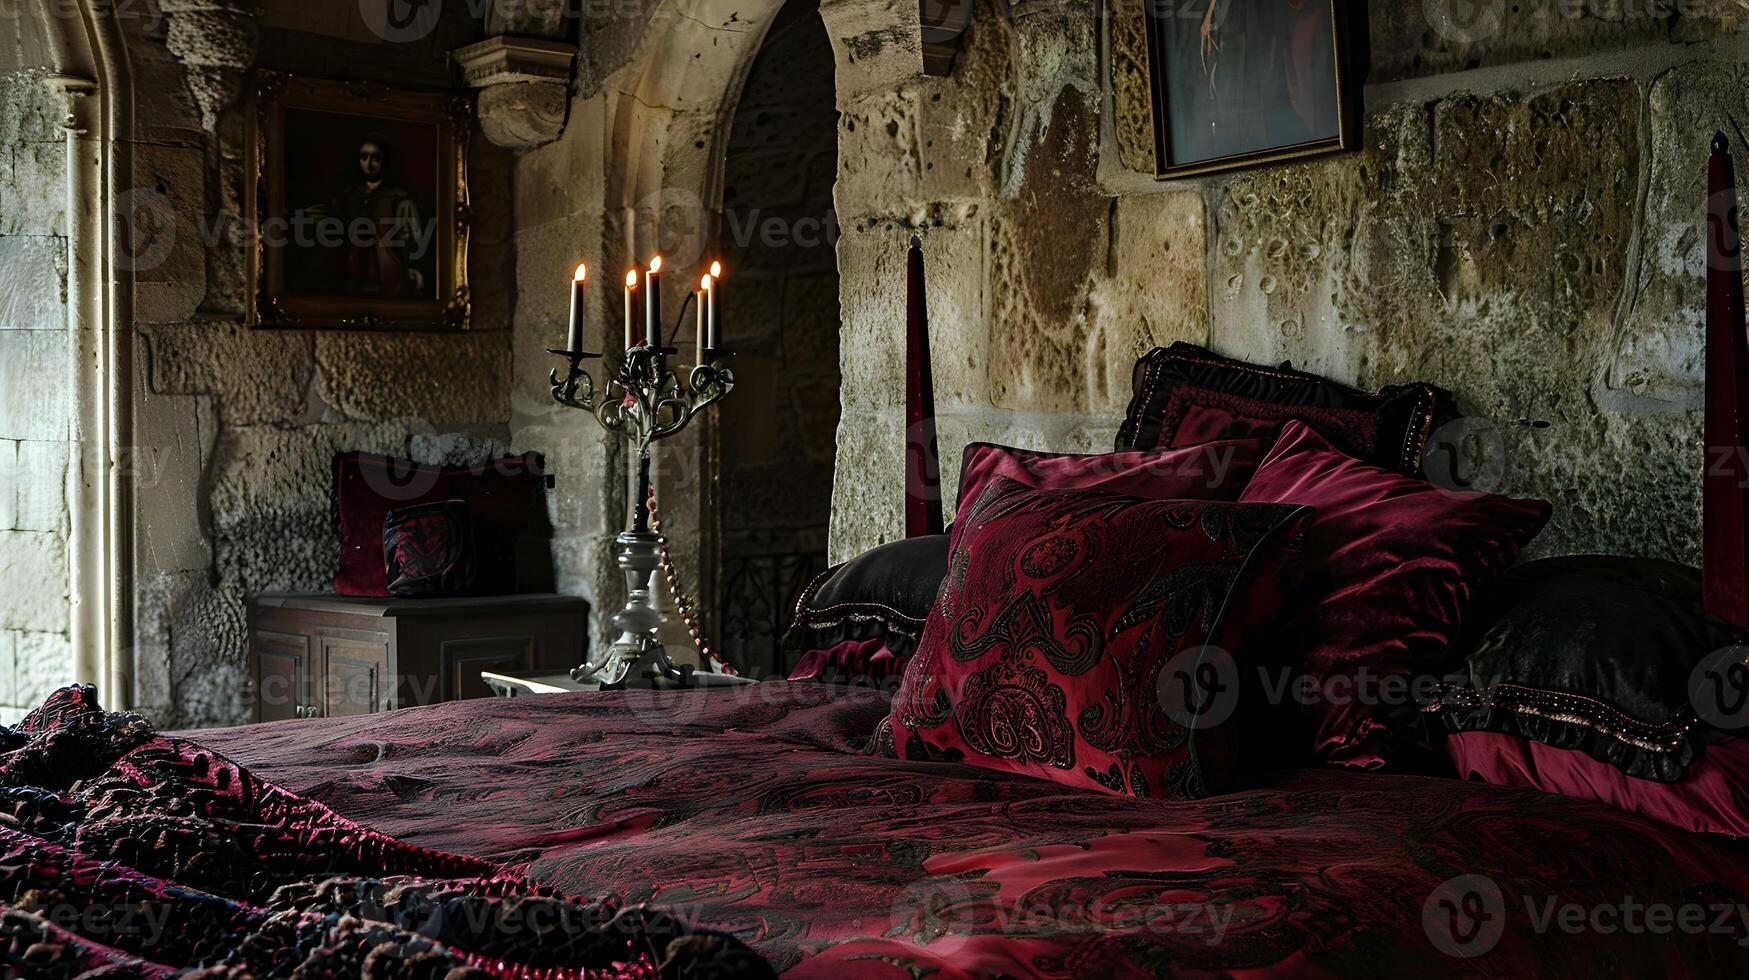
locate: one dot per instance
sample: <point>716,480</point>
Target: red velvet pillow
<point>1712,797</point>
<point>1215,471</point>
<point>504,499</point>
<point>1070,626</point>
<point>1391,565</point>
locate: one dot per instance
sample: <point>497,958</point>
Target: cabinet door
<point>354,668</point>
<point>282,675</point>
<point>464,659</point>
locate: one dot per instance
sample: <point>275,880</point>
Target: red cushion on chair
<point>1391,565</point>
<point>1065,621</point>
<point>504,499</point>
<point>1214,471</point>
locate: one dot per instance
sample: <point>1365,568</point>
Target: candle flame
<point>632,279</point>
<point>656,265</point>
<point>705,283</point>
<point>582,272</point>
<point>716,270</point>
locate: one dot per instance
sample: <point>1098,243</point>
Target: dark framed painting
<point>359,205</point>
<point>1238,83</point>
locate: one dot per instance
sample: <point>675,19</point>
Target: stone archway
<point>779,237</point>
<point>667,129</point>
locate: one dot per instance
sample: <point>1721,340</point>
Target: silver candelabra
<point>643,402</point>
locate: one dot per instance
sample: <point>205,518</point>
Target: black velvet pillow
<point>882,594</point>
<point>1589,652</point>
<point>1186,395</point>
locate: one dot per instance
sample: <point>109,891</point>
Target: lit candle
<point>631,287</point>
<point>704,291</point>
<point>574,336</point>
<point>714,333</point>
<point>653,305</point>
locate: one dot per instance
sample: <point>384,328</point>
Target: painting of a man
<point>370,231</point>
<point>361,206</point>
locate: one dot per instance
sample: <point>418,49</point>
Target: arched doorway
<point>777,436</point>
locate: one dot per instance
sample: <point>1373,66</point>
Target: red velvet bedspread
<point>754,813</point>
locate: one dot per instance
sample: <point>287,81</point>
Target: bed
<point>757,813</point>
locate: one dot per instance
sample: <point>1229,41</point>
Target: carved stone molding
<point>525,87</point>
<point>503,59</point>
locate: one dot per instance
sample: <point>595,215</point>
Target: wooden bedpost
<point>922,458</point>
<point>1725,507</point>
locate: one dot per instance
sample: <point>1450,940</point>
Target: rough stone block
<point>868,496</point>
<point>8,667</point>
<point>33,295</point>
<point>1131,83</point>
<point>8,484</point>
<point>1438,36</point>
<point>32,113</point>
<point>167,217</point>
<point>440,379</point>
<point>1047,244</point>
<point>33,190</point>
<point>1660,346</point>
<point>44,662</point>
<point>879,45</point>
<point>960,119</point>
<point>256,375</point>
<point>169,491</point>
<point>1156,292</point>
<point>879,162</point>
<point>33,381</point>
<point>42,486</point>
<point>33,581</point>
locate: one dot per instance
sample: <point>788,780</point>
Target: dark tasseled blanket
<point>135,854</point>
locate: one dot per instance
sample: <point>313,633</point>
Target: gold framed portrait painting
<point>359,205</point>
<point>1239,83</point>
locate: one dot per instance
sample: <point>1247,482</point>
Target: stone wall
<point>1522,224</point>
<point>242,423</point>
<point>34,416</point>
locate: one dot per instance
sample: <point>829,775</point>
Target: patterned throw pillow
<point>1082,638</point>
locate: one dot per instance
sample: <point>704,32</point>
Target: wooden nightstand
<point>316,655</point>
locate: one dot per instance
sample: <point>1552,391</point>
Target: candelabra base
<point>637,655</point>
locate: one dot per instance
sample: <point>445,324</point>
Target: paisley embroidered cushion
<point>1185,394</point>
<point>858,622</point>
<point>1392,565</point>
<point>1083,638</point>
